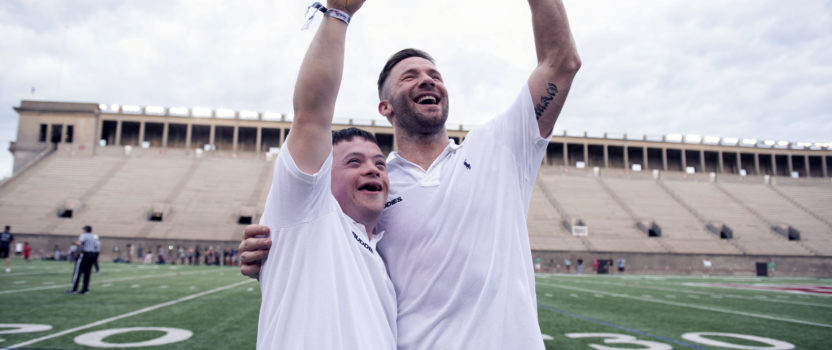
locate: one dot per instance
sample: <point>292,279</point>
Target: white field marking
<point>129,314</point>
<point>693,296</point>
<point>548,295</point>
<point>163,286</point>
<point>646,296</point>
<point>599,296</point>
<point>671,296</point>
<point>250,290</point>
<point>135,286</point>
<point>91,282</point>
<point>547,337</point>
<point>192,287</point>
<point>716,296</point>
<point>107,285</point>
<point>699,307</point>
<point>573,295</point>
<point>19,282</point>
<point>756,298</point>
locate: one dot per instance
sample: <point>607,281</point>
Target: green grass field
<point>202,307</point>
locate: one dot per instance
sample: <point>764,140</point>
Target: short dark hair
<point>8,228</point>
<point>349,133</point>
<point>394,60</point>
<point>88,228</point>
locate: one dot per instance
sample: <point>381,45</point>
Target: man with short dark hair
<point>458,249</point>
<point>6,239</point>
<point>88,245</point>
<point>324,285</point>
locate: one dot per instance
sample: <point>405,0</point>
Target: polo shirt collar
<point>395,159</point>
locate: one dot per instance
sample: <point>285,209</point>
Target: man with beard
<point>457,247</point>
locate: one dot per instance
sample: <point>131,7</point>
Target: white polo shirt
<point>324,285</point>
<point>457,247</point>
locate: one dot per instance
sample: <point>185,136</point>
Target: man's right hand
<point>254,249</point>
<point>348,6</point>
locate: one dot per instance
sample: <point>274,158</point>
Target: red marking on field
<point>800,288</point>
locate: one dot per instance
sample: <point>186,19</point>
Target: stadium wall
<point>686,264</point>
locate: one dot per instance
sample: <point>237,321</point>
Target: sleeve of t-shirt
<point>295,196</point>
<point>517,129</point>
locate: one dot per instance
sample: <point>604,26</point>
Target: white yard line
<point>710,293</point>
<point>129,314</point>
<point>94,282</point>
<point>699,307</point>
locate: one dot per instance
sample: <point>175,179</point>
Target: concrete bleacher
<point>204,194</point>
<point>754,235</point>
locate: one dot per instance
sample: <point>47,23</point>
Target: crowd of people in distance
<point>179,255</point>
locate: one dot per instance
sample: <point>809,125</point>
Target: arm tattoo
<point>551,91</point>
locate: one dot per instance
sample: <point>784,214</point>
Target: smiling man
<point>457,248</point>
<point>324,285</point>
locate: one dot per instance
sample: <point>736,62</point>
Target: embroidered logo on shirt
<point>361,242</point>
<point>467,165</point>
<point>392,201</point>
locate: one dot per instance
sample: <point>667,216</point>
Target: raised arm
<point>317,88</point>
<point>557,61</point>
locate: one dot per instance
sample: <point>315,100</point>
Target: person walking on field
<point>6,239</point>
<point>88,246</point>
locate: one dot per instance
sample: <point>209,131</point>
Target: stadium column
<point>823,166</point>
<point>565,151</point>
<point>789,162</point>
<point>118,132</point>
<point>606,153</point>
<point>644,157</point>
<point>165,128</point>
<point>806,164</point>
<point>757,162</point>
<point>773,164</point>
<point>721,163</point>
<point>626,155</point>
<point>236,137</point>
<point>141,132</point>
<point>259,138</point>
<point>664,157</point>
<point>586,150</point>
<point>684,159</point>
<point>188,133</point>
<point>211,135</point>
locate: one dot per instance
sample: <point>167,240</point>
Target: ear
<point>386,109</point>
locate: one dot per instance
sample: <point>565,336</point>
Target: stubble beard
<point>414,123</point>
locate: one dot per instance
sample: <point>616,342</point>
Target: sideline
<point>705,308</point>
<point>735,296</point>
<point>98,282</point>
<point>129,314</point>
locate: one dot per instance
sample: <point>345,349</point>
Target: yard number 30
<point>697,337</point>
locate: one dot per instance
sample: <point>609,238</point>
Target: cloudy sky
<point>748,68</point>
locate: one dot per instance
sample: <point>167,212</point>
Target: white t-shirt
<point>324,285</point>
<point>457,247</point>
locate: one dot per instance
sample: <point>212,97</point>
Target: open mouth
<point>427,99</point>
<point>370,187</point>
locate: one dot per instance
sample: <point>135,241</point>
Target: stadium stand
<point>173,177</point>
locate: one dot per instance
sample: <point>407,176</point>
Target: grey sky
<point>756,69</point>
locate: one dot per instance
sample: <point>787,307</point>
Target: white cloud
<point>755,69</point>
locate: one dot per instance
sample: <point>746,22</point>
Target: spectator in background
<point>6,239</point>
<point>621,264</point>
<point>197,253</point>
<point>97,250</point>
<point>160,259</point>
<point>72,254</point>
<point>707,265</point>
<point>580,265</point>
<point>131,250</point>
<point>568,264</point>
<point>27,250</point>
<point>59,254</point>
<point>141,253</point>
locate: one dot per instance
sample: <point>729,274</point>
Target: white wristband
<point>334,13</point>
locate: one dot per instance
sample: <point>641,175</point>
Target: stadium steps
<point>751,234</point>
<point>633,216</point>
<point>545,224</point>
<point>699,216</point>
<point>826,200</point>
<point>682,230</point>
<point>610,227</point>
<point>769,206</point>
